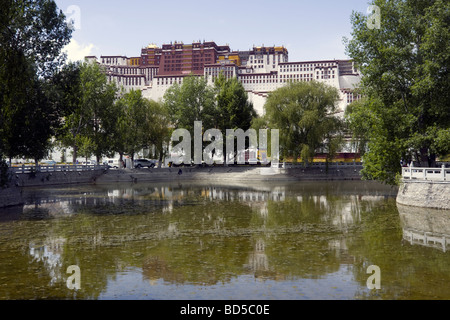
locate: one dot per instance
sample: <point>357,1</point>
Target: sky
<point>310,30</point>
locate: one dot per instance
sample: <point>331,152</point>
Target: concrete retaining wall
<point>427,194</point>
<point>234,173</point>
<point>12,195</point>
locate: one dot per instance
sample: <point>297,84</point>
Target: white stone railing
<point>55,168</point>
<point>428,174</point>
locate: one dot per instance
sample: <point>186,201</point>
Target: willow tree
<point>303,112</point>
<point>404,60</point>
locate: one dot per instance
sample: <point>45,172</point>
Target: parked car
<point>89,162</point>
<point>142,163</point>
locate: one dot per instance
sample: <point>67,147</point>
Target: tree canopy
<point>191,101</point>
<point>221,106</point>
<point>232,108</point>
<point>32,34</point>
<point>303,112</point>
<point>141,124</point>
<point>405,82</point>
<point>90,121</point>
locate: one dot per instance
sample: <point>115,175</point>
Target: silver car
<point>142,163</point>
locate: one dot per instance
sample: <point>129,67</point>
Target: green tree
<point>91,113</point>
<point>141,123</point>
<point>303,112</point>
<point>222,106</point>
<point>32,34</point>
<point>131,123</point>
<point>360,123</point>
<point>405,79</point>
<point>97,103</point>
<point>38,30</point>
<point>156,129</point>
<point>189,102</point>
<point>66,87</point>
<point>85,147</point>
<point>232,109</point>
<point>20,94</point>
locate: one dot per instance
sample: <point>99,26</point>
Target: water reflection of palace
<point>258,261</point>
<point>169,195</point>
<point>279,209</point>
<point>258,199</point>
<point>425,227</point>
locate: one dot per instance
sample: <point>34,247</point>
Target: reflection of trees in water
<point>50,254</point>
<point>255,195</point>
<point>196,211</point>
<point>155,268</point>
<point>210,234</point>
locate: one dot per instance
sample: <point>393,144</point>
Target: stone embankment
<point>425,187</point>
<point>12,194</point>
<point>234,173</point>
<point>427,194</point>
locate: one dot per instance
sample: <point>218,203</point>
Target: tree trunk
<point>432,161</point>
<point>75,150</point>
<point>161,154</point>
<point>424,159</point>
<point>121,160</point>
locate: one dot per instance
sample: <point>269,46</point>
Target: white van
<point>113,163</point>
<point>89,163</point>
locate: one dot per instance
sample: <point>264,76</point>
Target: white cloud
<point>76,51</point>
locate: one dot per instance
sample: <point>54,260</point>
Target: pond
<point>193,241</point>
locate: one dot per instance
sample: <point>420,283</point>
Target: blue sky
<point>310,30</point>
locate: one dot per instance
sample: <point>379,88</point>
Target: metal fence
<point>56,168</point>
